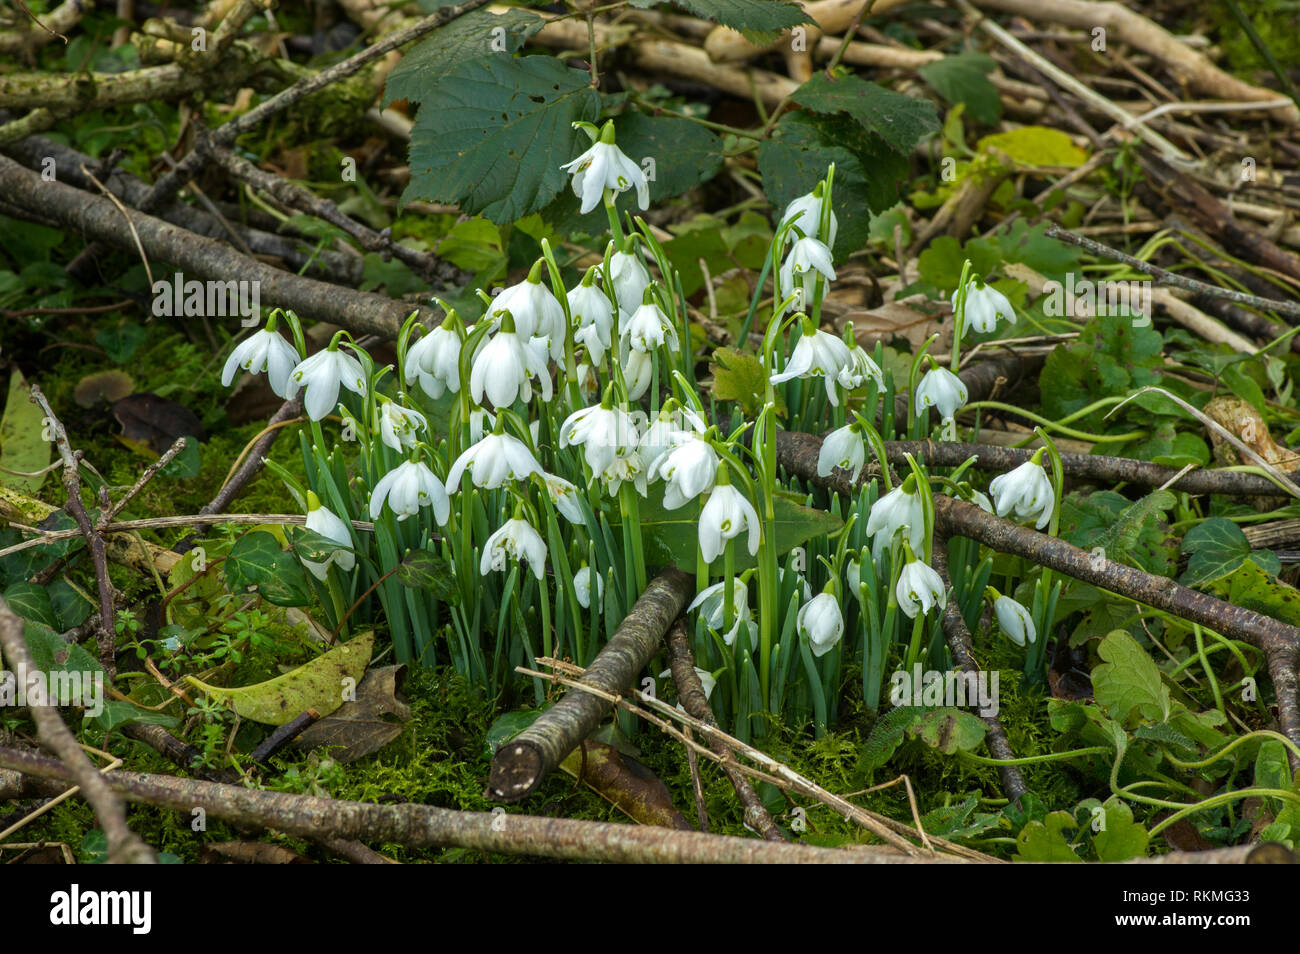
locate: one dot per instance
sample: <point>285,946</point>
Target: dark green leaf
<point>900,120</point>
<point>423,570</point>
<point>256,560</point>
<point>759,20</point>
<point>475,35</point>
<point>963,78</point>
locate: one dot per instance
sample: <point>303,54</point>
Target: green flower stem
<point>1060,425</point>
<point>1035,759</point>
<point>631,505</point>
<point>959,317</point>
<point>615,227</point>
<point>1209,670</point>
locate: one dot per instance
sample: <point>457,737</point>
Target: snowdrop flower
<point>505,367</point>
<point>263,350</point>
<point>594,315</point>
<point>628,277</point>
<point>565,497</point>
<point>710,602</point>
<point>605,433</point>
<point>981,500</point>
<point>941,389</point>
<point>984,306</point>
<point>328,525</point>
<point>821,623</point>
<point>899,509</point>
<point>516,540</point>
<point>535,310</point>
<point>816,352</point>
<point>628,468</point>
<point>806,260</point>
<point>321,375</point>
<point>844,448</point>
<point>435,360</point>
<point>726,513</point>
<point>408,487</point>
<point>647,329</point>
<point>674,426</point>
<point>582,586</point>
<point>858,370</point>
<point>398,425</point>
<point>805,213</point>
<point>690,469</point>
<point>1014,620</point>
<point>492,461</point>
<point>800,582</point>
<point>919,589</point>
<point>638,372</point>
<point>604,166</point>
<point>707,682</point>
<point>1026,490</point>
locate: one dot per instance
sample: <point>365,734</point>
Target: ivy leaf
<point>256,561</point>
<point>741,378</point>
<point>1109,357</point>
<point>1045,840</point>
<point>423,570</point>
<point>31,602</point>
<point>475,35</point>
<point>1251,587</point>
<point>963,78</point>
<point>22,444</point>
<point>1216,548</point>
<point>497,134</point>
<point>900,120</point>
<point>1120,838</point>
<point>1129,681</point>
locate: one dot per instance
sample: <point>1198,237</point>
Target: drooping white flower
<point>627,468</point>
<point>647,329</point>
<point>505,367</point>
<point>408,487</point>
<point>435,360</point>
<point>919,589</point>
<point>673,426</point>
<point>711,600</point>
<point>604,166</point>
<point>858,370</point>
<point>629,278</point>
<point>816,353</point>
<point>330,526</point>
<point>321,375</point>
<point>898,509</point>
<point>582,586</point>
<point>821,623</point>
<point>806,260</point>
<point>263,350</point>
<point>1014,620</point>
<point>984,306</point>
<point>725,515</point>
<point>515,540</point>
<point>805,213</point>
<point>605,433</point>
<point>638,373</point>
<point>535,310</point>
<point>591,310</point>
<point>492,461</point>
<point>689,469</point>
<point>845,448</point>
<point>399,426</point>
<point>1027,490</point>
<point>565,497</point>
<point>981,500</point>
<point>941,389</point>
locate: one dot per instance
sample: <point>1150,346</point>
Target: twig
<point>124,846</point>
<point>519,766</point>
<point>691,694</point>
<point>424,826</point>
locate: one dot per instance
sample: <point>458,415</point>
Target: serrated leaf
<point>320,684</point>
<point>759,20</point>
<point>900,120</point>
<point>1167,735</point>
<point>963,78</point>
<point>495,132</point>
<point>1129,681</point>
<point>867,171</point>
<point>475,35</point>
<point>886,736</point>
<point>684,153</point>
<point>23,446</point>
